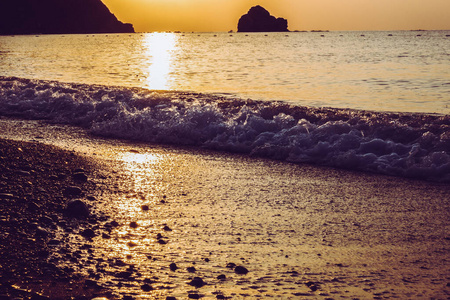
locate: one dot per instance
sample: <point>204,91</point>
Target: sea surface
<point>405,71</point>
<point>368,101</point>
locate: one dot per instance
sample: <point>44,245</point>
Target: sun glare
<point>160,48</point>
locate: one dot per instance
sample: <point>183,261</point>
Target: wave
<point>400,144</point>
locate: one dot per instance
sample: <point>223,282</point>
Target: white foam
<point>396,144</point>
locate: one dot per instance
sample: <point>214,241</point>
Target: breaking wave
<point>401,144</point>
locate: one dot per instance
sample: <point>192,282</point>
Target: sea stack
<point>258,19</point>
<point>58,17</point>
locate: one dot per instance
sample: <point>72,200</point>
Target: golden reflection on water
<point>160,48</point>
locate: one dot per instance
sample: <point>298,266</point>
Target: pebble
<point>77,209</point>
<point>124,274</point>
<point>146,287</point>
<point>191,269</point>
<point>240,270</point>
<point>88,233</point>
<point>197,282</point>
<point>167,228</point>
<point>222,277</point>
<point>81,177</point>
<point>173,267</point>
<point>41,232</point>
<point>231,265</point>
<point>134,224</point>
<point>72,191</point>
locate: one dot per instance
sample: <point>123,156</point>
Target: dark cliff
<point>58,17</point>
<point>259,19</point>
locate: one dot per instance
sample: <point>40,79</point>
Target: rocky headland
<point>258,19</point>
<point>58,17</point>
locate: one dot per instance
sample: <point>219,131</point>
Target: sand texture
<point>169,222</point>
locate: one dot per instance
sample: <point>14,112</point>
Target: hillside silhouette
<point>58,17</point>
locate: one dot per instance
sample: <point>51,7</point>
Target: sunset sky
<point>223,15</point>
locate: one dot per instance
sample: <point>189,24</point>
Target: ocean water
<point>406,71</point>
<point>368,101</point>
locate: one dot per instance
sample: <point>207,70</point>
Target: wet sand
<point>163,216</point>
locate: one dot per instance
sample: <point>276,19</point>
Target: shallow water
<point>384,71</point>
<point>352,235</point>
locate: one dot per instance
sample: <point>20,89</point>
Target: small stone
<point>240,270</point>
<point>145,207</point>
<point>170,298</point>
<point>41,232</point>
<point>146,287</point>
<point>193,296</point>
<point>81,177</point>
<point>77,209</point>
<point>191,269</point>
<point>114,224</point>
<point>222,277</point>
<point>54,242</point>
<point>197,282</point>
<point>72,191</point>
<point>88,233</point>
<point>167,228</point>
<point>134,224</point>
<point>231,265</point>
<point>173,267</point>
<point>124,274</point>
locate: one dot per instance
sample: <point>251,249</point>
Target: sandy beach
<point>179,223</point>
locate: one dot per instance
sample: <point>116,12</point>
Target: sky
<point>223,15</point>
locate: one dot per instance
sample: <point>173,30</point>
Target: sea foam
<point>401,144</point>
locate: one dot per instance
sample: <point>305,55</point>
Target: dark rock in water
<point>222,277</point>
<point>134,224</point>
<point>191,269</point>
<point>124,274</point>
<point>197,282</point>
<point>80,177</point>
<point>162,242</point>
<point>173,267</point>
<point>240,270</point>
<point>170,298</point>
<point>167,228</point>
<point>231,265</point>
<point>146,287</point>
<point>72,191</point>
<point>194,296</point>
<point>259,19</point>
<point>88,233</point>
<point>77,209</point>
<point>58,17</point>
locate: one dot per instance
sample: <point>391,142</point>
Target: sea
<point>372,101</point>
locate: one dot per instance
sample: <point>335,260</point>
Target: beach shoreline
<point>300,231</point>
